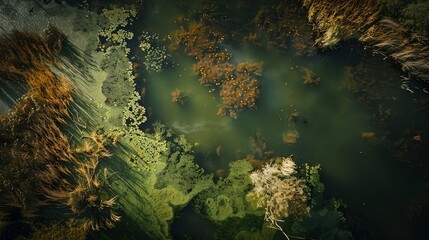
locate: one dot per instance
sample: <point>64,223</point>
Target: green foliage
<point>89,21</point>
<point>161,179</point>
<point>312,178</point>
<point>119,84</point>
<point>117,19</point>
<point>255,234</point>
<point>326,221</point>
<point>133,114</point>
<point>227,198</point>
<point>147,149</point>
<point>180,172</point>
<point>416,15</point>
<point>183,174</point>
<point>219,208</point>
<point>155,56</point>
<point>412,13</point>
<point>244,228</point>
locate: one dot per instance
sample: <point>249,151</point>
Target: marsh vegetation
<point>213,120</point>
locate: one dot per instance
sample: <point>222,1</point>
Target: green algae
<point>227,198</point>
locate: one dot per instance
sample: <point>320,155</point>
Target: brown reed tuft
<point>39,166</point>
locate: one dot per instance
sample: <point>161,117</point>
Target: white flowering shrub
<point>279,191</point>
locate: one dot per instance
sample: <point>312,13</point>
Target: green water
<point>330,123</point>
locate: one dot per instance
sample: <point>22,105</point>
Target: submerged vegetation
<point>238,83</point>
<point>283,23</point>
<point>310,78</point>
<point>177,96</point>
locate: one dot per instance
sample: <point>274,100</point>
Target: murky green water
<point>330,124</point>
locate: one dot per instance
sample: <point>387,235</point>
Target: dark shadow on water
<point>191,225</point>
<point>18,229</point>
<point>76,62</point>
<point>10,93</point>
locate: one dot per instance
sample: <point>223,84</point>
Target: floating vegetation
<point>260,150</point>
<point>134,114</point>
<point>238,83</point>
<point>293,117</point>
<point>368,135</point>
<point>309,77</point>
<point>114,32</point>
<point>283,21</point>
<point>242,91</point>
<point>177,96</point>
<point>119,84</point>
<point>227,198</point>
<point>155,57</point>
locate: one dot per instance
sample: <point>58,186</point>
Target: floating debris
<point>291,137</point>
<point>309,77</point>
<point>221,173</point>
<point>177,96</point>
<point>219,150</point>
<point>368,135</point>
<point>293,117</point>
<point>417,138</point>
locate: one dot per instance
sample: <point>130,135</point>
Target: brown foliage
<point>32,144</point>
<point>198,40</point>
<point>337,20</point>
<point>370,83</point>
<point>239,87</point>
<point>409,50</point>
<point>242,90</point>
<point>309,77</point>
<point>282,21</point>
<point>36,156</point>
<point>211,73</point>
<point>84,195</point>
<point>177,96</point>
